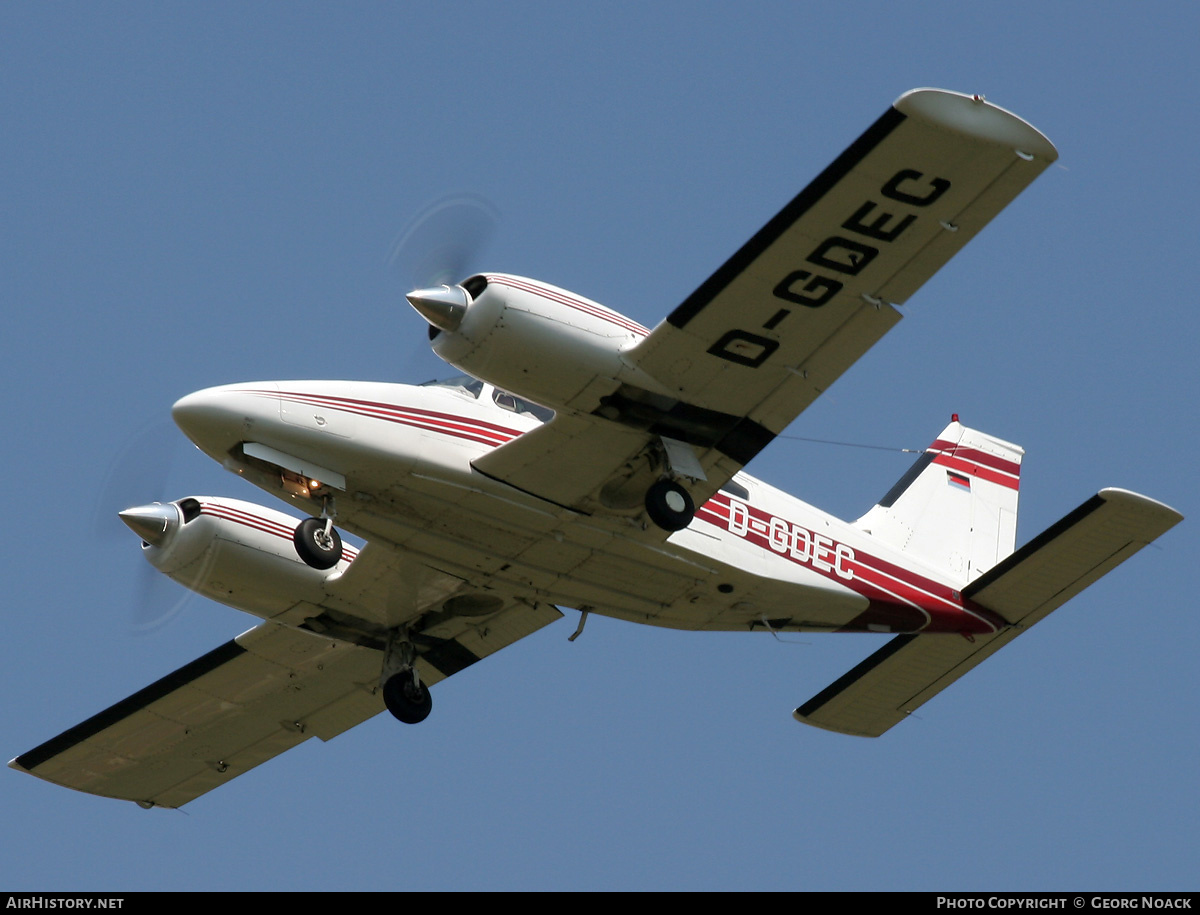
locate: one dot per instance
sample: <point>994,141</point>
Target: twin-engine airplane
<point>584,461</point>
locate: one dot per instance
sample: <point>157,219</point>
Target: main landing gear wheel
<point>669,505</point>
<point>407,698</point>
<point>319,549</point>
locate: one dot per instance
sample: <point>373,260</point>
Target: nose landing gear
<point>317,540</point>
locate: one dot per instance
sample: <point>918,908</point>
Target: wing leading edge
<point>1024,588</point>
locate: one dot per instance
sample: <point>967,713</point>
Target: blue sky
<point>201,194</point>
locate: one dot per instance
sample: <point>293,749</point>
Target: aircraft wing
<point>242,704</point>
<point>1024,588</point>
<point>809,294</point>
<point>803,299</point>
<point>221,715</point>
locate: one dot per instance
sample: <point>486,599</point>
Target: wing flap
<point>587,463</point>
<point>478,639</point>
<point>564,460</point>
<point>837,352</point>
<point>1034,581</point>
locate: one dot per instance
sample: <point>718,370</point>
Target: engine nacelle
<point>540,342</point>
<point>235,552</point>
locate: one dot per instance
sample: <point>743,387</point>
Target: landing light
<point>297,484</point>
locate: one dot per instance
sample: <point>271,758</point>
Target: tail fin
<point>955,511</point>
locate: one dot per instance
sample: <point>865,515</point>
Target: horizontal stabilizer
<point>1068,556</point>
<point>1035,580</point>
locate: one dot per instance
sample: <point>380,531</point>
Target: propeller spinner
<point>442,306</point>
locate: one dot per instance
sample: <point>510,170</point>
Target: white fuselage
<point>400,458</point>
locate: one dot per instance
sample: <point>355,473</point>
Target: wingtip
<point>974,116</point>
<point>1167,515</point>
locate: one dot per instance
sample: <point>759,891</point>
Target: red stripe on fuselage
<point>475,430</point>
<point>901,599</point>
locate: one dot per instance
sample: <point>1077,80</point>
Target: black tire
<point>669,505</point>
<point>408,703</point>
<point>314,547</point>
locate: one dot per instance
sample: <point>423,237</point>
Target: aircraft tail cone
<point>442,306</point>
<point>153,523</point>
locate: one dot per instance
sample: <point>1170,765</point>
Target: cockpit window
<point>474,388</point>
<point>469,385</point>
<point>515,404</point>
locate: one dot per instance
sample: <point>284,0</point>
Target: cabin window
<point>515,404</point>
<point>465,383</point>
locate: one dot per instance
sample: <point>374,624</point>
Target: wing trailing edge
<point>1024,588</point>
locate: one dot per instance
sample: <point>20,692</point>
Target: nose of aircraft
<point>201,412</point>
<point>153,523</point>
<point>216,419</point>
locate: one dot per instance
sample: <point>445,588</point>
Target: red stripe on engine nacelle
<point>259,523</point>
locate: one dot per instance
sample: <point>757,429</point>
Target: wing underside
<point>810,292</point>
<point>215,718</point>
<point>245,702</point>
